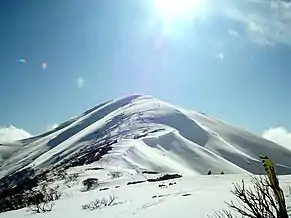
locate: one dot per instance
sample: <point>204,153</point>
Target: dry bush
<point>62,174</point>
<point>100,203</point>
<point>256,201</point>
<point>223,214</point>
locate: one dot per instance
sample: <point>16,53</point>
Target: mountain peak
<point>142,132</point>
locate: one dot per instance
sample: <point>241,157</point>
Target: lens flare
<point>21,60</point>
<point>44,65</point>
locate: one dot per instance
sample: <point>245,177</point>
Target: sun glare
<point>173,9</point>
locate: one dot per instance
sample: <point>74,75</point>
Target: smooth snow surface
<point>149,134</point>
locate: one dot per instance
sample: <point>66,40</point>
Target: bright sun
<point>173,9</point>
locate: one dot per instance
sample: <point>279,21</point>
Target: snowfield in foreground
<point>188,197</point>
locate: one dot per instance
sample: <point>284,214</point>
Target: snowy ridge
<point>141,132</point>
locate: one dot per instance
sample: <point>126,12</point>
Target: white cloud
<point>11,134</point>
<point>266,22</point>
<point>220,56</point>
<point>52,126</point>
<point>234,33</point>
<point>80,82</point>
<point>279,135</point>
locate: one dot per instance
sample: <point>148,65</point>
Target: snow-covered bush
<point>115,174</point>
<point>100,203</point>
<point>256,201</point>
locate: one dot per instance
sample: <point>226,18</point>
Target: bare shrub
<point>40,200</point>
<point>90,183</point>
<point>41,207</point>
<point>115,174</point>
<point>100,203</point>
<point>256,201</point>
<point>223,214</point>
<point>62,174</point>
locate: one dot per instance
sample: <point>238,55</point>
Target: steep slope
<point>141,132</point>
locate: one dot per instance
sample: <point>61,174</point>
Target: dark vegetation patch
<point>186,194</point>
<point>150,172</point>
<point>165,177</point>
<point>103,189</point>
<point>95,168</point>
<point>90,183</point>
<point>25,188</point>
<point>162,186</point>
<point>14,187</point>
<point>136,182</point>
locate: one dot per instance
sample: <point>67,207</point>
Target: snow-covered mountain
<point>141,132</point>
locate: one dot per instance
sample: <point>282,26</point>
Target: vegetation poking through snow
<point>256,201</point>
<point>136,182</point>
<point>95,168</point>
<point>150,172</point>
<point>100,203</point>
<point>90,183</point>
<point>40,200</point>
<point>13,189</point>
<point>165,177</point>
<point>103,189</point>
<point>115,174</point>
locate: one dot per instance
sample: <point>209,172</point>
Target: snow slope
<point>141,132</point>
<point>187,197</point>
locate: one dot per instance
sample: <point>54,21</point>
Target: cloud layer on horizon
<point>279,135</point>
<point>11,134</point>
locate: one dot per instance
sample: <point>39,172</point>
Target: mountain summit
<point>143,133</point>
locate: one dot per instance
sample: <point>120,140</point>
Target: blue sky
<point>230,59</point>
